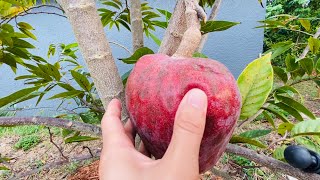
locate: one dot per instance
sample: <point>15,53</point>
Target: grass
<point>27,142</point>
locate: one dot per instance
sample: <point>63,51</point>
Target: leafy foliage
<point>27,142</point>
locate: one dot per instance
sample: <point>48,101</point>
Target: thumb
<point>188,129</point>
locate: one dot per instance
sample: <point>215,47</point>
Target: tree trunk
<point>136,24</point>
<point>174,32</point>
<point>95,49</point>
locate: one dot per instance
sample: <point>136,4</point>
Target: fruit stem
<point>192,36</point>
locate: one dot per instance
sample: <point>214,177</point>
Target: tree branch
<point>306,50</point>
<point>213,14</point>
<point>59,149</point>
<point>49,121</point>
<point>264,160</point>
<point>96,51</point>
<point>136,24</point>
<point>270,163</point>
<point>174,32</point>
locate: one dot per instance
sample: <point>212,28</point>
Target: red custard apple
<point>155,88</point>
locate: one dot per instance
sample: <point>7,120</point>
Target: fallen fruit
<point>155,88</point>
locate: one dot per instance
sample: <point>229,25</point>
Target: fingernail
<point>197,98</point>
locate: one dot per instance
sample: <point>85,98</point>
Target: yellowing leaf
<point>255,84</point>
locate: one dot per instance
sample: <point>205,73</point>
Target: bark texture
<point>192,36</point>
<point>136,24</point>
<point>177,26</point>
<point>212,16</point>
<point>95,49</point>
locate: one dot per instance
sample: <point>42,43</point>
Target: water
<point>235,47</point>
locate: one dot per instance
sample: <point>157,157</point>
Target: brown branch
<point>49,121</point>
<point>59,149</point>
<point>86,147</point>
<point>270,163</point>
<point>212,16</point>
<point>136,24</point>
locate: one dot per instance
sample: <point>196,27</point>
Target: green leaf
<point>65,86</point>
<point>289,109</point>
<point>79,139</point>
<point>285,127</point>
<point>25,77</point>
<point>82,80</point>
<point>298,106</point>
<point>155,39</point>
<point>318,67</point>
<point>308,127</point>
<point>28,33</point>
<point>238,139</point>
<point>278,153</point>
<point>66,132</point>
<point>280,73</point>
<point>17,95</point>
<point>125,76</point>
<point>51,50</point>
<point>137,55</point>
<point>277,113</point>
<point>255,133</point>
<point>308,143</point>
<point>8,28</point>
<point>67,94</point>
<point>306,24</point>
<point>26,26</point>
<point>314,45</point>
<point>255,84</point>
<point>167,14</point>
<point>4,168</point>
<point>9,60</point>
<point>18,52</point>
<point>288,90</point>
<point>22,43</point>
<point>281,48</point>
<point>307,65</point>
<point>291,63</point>
<point>211,26</point>
<point>269,118</point>
<point>199,55</point>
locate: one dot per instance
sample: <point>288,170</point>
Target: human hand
<point>120,160</point>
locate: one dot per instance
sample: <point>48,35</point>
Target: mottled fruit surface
<point>155,88</point>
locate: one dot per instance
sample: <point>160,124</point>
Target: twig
<point>120,45</point>
<point>59,149</point>
<point>212,16</point>
<point>27,12</point>
<point>278,140</point>
<point>306,50</point>
<point>49,121</point>
<point>86,147</point>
